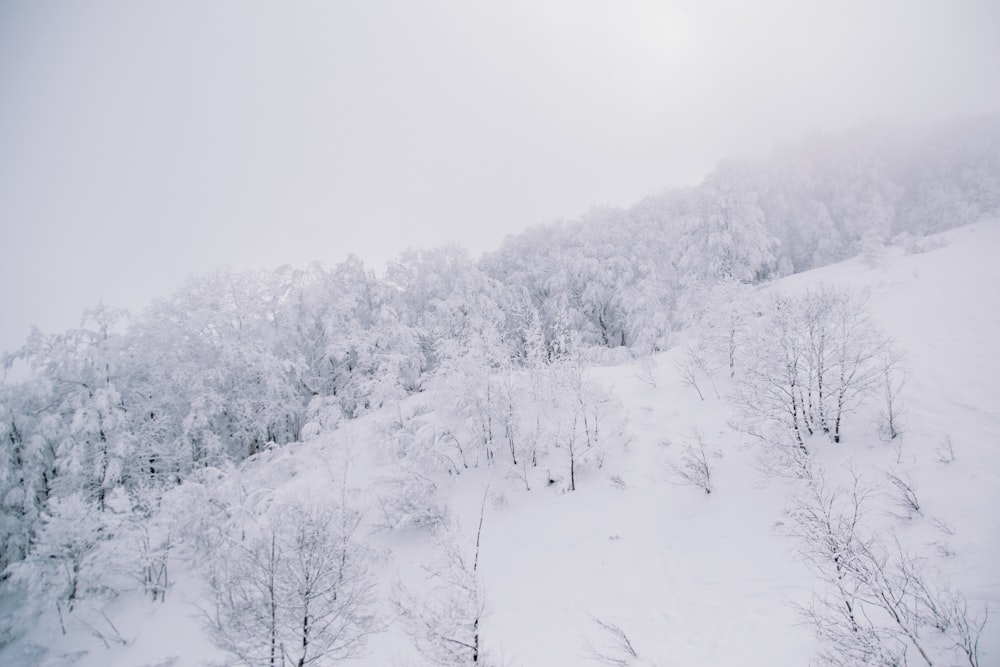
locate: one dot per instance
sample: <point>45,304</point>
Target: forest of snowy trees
<point>101,421</point>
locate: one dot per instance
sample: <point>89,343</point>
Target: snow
<point>692,578</point>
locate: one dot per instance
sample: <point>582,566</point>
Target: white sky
<point>141,141</point>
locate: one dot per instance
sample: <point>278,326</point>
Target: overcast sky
<point>141,142</point>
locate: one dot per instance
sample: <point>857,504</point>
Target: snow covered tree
<point>144,541</point>
<point>858,349</point>
<point>470,388</point>
<point>771,390</point>
<point>375,351</point>
<point>812,359</point>
<point>880,602</point>
<point>26,464</point>
<point>584,417</point>
<point>447,298</point>
<point>605,277</point>
<point>84,417</point>
<point>725,235</point>
<point>61,569</point>
<point>296,590</point>
<point>226,388</point>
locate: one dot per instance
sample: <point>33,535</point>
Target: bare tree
<point>828,523</point>
<point>812,360</point>
<point>585,416</point>
<point>772,386</point>
<point>723,322</point>
<point>694,468</point>
<point>445,625</point>
<point>949,613</point>
<point>295,591</point>
<point>646,371</point>
<point>881,602</point>
<point>695,363</point>
<point>893,379</point>
<point>857,349</point>
<point>815,310</point>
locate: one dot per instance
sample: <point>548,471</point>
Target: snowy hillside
<point>638,549</point>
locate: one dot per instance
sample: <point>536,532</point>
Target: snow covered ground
<point>692,578</point>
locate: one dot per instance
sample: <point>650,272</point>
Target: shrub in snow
<point>617,649</point>
<point>694,468</point>
<point>408,501</point>
<point>904,496</point>
<point>945,451</point>
<point>414,439</point>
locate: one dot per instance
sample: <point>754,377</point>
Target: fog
<point>143,142</point>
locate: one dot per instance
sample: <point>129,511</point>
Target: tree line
<point>114,413</point>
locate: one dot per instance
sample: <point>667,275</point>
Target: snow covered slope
<point>692,578</point>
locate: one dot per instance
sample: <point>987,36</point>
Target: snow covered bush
<point>416,440</point>
<point>408,500</point>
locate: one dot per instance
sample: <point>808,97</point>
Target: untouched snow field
<point>694,579</point>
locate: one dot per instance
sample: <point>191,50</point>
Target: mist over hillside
<point>326,428</point>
